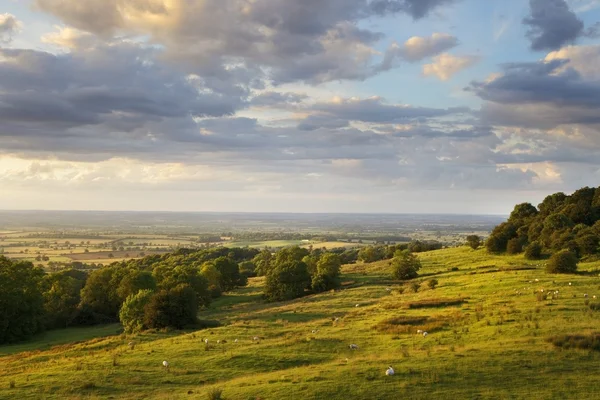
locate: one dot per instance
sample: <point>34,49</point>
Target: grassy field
<point>488,328</point>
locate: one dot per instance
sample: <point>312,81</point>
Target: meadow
<point>488,324</point>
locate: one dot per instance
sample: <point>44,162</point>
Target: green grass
<point>494,345</point>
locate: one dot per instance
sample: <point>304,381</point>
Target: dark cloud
<point>542,82</point>
<point>552,24</point>
<point>376,110</point>
<point>278,40</point>
<point>278,100</point>
<point>314,122</point>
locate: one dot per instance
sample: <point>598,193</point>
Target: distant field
<point>490,343</point>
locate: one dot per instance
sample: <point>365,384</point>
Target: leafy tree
<point>135,281</point>
<point>263,261</point>
<point>62,295</point>
<point>169,277</point>
<point>474,241</point>
<point>230,274</point>
<point>371,254</point>
<point>290,254</point>
<point>405,265</point>
<point>500,236</point>
<point>533,251</point>
<point>327,275</point>
<point>213,277</point>
<point>514,246</point>
<point>21,300</point>
<point>563,262</point>
<point>287,281</point>
<point>432,283</point>
<point>174,308</point>
<point>100,294</point>
<point>133,311</point>
<point>248,269</point>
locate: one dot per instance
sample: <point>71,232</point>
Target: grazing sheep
<point>255,339</point>
<point>594,296</point>
<point>218,342</point>
<point>425,334</point>
<point>206,341</point>
<point>166,364</point>
<point>419,331</point>
<point>569,283</point>
<point>132,345</point>
<point>353,347</point>
<point>358,305</point>
<point>336,319</point>
<point>235,341</point>
<point>390,371</point>
<point>315,331</point>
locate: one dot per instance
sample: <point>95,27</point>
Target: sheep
<point>131,345</point>
<point>235,341</point>
<point>358,305</point>
<point>419,331</point>
<point>569,283</point>
<point>255,339</point>
<point>336,319</point>
<point>353,347</point>
<point>166,365</point>
<point>390,371</point>
<point>314,331</point>
<point>218,342</point>
<point>594,296</point>
<point>425,334</point>
<point>206,341</point>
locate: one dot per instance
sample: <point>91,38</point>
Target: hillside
<point>491,344</point>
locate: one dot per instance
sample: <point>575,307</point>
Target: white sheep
<point>336,319</point>
<point>315,331</point>
<point>166,364</point>
<point>594,296</point>
<point>255,339</point>
<point>390,371</point>
<point>569,283</point>
<point>353,347</point>
<point>218,342</point>
<point>235,341</point>
<point>425,334</point>
<point>206,341</point>
<point>419,331</point>
<point>358,305</point>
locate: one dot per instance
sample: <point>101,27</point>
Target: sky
<point>370,106</point>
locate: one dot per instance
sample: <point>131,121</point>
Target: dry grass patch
<point>582,342</point>
<point>410,324</point>
<point>435,303</point>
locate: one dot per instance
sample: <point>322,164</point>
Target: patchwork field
<point>488,323</point>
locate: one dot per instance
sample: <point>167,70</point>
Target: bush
<point>175,308</point>
<point>474,241</point>
<point>405,266</point>
<point>584,342</point>
<point>432,283</point>
<point>415,286</point>
<point>533,251</point>
<point>563,262</point>
<point>215,394</point>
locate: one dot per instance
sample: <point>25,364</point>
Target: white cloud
<point>445,66</point>
<point>584,59</point>
<point>9,26</point>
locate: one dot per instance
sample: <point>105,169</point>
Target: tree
<point>563,262</point>
<point>230,274</point>
<point>168,277</point>
<point>405,265</point>
<point>132,311</point>
<point>174,308</point>
<point>213,277</point>
<point>533,251</point>
<point>432,283</point>
<point>62,294</point>
<point>263,261</point>
<point>248,269</point>
<point>500,236</point>
<point>514,246</point>
<point>21,300</point>
<point>327,275</point>
<point>474,241</point>
<point>287,281</point>
<point>135,281</point>
<point>100,293</point>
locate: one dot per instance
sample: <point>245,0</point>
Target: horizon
<point>403,106</point>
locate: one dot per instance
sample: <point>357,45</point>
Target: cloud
<point>445,66</point>
<point>375,109</point>
<point>9,26</point>
<point>278,99</point>
<point>552,24</point>
<point>584,59</point>
<point>418,48</point>
<point>279,41</point>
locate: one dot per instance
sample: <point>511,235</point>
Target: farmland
<point>488,325</point>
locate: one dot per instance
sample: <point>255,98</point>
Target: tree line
<point>565,226</point>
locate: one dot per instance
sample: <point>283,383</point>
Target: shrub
<point>175,308</point>
<point>584,342</point>
<point>415,286</point>
<point>287,281</point>
<point>563,262</point>
<point>432,283</point>
<point>533,251</point>
<point>215,394</point>
<point>474,241</point>
<point>405,266</point>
